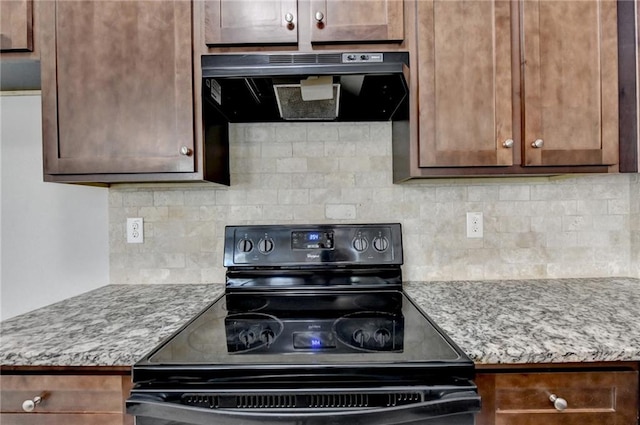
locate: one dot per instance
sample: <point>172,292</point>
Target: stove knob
<point>360,337</point>
<point>245,245</point>
<point>265,245</point>
<point>267,336</point>
<point>247,338</point>
<point>380,243</point>
<point>381,337</point>
<point>360,244</point>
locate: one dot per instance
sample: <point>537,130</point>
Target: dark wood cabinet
<point>16,25</point>
<point>570,84</point>
<point>117,90</point>
<point>273,22</point>
<point>591,397</point>
<point>96,399</point>
<point>464,79</point>
<point>356,20</point>
<point>250,22</point>
<point>512,87</point>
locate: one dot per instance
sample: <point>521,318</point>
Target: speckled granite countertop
<point>537,321</point>
<point>534,321</point>
<point>111,326</point>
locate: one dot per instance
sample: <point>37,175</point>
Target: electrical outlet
<point>474,225</point>
<point>135,230</point>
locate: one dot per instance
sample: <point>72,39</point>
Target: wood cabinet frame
<point>617,384</point>
<point>71,395</point>
<point>406,155</point>
<point>17,25</point>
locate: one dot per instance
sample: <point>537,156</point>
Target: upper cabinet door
<point>16,25</point>
<point>117,87</point>
<point>570,82</point>
<point>356,20</point>
<point>465,80</point>
<point>251,22</point>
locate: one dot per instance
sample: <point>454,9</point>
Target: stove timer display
<point>312,240</point>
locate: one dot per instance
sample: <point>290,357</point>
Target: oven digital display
<point>313,340</point>
<point>312,240</point>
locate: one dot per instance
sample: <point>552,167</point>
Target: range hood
<point>344,86</point>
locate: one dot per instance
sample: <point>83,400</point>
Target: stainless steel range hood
<point>345,86</point>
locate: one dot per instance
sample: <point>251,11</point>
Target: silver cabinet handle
<point>288,17</point>
<point>538,143</point>
<point>185,151</point>
<point>30,405</point>
<point>319,16</point>
<point>508,143</point>
<point>559,403</point>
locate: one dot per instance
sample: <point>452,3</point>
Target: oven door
<point>394,406</point>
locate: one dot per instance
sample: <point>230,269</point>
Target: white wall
<point>54,240</point>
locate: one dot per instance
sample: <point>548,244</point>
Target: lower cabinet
<point>559,397</point>
<point>52,399</point>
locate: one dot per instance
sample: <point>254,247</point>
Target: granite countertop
<point>494,322</point>
<point>115,325</point>
<point>537,321</point>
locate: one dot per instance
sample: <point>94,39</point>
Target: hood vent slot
<point>305,59</point>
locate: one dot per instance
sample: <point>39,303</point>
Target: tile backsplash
<point>330,173</point>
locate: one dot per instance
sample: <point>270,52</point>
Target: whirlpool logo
<point>313,256</point>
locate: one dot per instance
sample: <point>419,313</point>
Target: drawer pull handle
<point>559,403</point>
<point>30,405</point>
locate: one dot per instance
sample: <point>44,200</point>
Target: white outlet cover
<point>135,230</point>
<point>475,228</point>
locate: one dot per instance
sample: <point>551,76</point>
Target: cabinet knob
<point>508,143</point>
<point>319,16</point>
<point>537,144</point>
<point>559,403</point>
<point>30,405</point>
<point>288,17</point>
<point>185,151</point>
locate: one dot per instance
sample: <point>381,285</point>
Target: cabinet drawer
<point>62,394</point>
<point>592,398</point>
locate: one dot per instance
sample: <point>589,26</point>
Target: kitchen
<point>534,227</point>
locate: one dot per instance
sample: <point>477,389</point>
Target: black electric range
<point>314,328</point>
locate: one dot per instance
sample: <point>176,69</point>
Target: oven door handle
<point>467,402</point>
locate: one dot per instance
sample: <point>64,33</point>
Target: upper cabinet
<point>570,70</point>
<point>16,25</point>
<point>356,20</point>
<point>269,22</point>
<point>117,91</point>
<point>509,87</point>
<point>464,74</point>
<point>250,22</point>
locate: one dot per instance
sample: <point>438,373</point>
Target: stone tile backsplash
<point>534,227</point>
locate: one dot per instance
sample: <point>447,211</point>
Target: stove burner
<point>251,331</point>
<point>371,331</point>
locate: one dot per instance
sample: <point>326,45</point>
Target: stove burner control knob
<point>265,245</point>
<point>360,337</point>
<point>245,245</point>
<point>382,336</point>
<point>267,336</point>
<point>247,338</point>
<point>380,243</point>
<point>360,243</point>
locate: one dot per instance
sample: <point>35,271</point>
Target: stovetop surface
<point>316,328</point>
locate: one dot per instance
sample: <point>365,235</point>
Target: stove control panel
<point>308,245</point>
<point>366,331</point>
